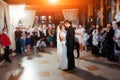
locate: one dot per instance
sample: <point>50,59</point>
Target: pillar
<point>90,9</point>
<point>101,12</point>
<point>117,6</point>
<point>83,16</point>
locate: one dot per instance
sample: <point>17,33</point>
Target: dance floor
<point>43,66</point>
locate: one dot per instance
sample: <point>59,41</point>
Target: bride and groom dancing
<point>66,37</point>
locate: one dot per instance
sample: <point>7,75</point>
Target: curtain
<point>71,14</point>
<point>1,21</point>
<point>16,13</point>
<point>29,17</point>
<point>7,16</point>
<point>4,15</point>
<point>10,27</point>
<point>21,17</point>
<point>1,15</point>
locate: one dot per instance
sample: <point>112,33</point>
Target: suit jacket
<point>109,37</point>
<point>5,41</point>
<point>70,37</point>
<point>18,35</point>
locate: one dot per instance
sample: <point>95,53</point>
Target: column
<point>89,12</point>
<point>101,12</point>
<point>1,22</point>
<point>83,16</point>
<point>90,9</point>
<point>117,6</point>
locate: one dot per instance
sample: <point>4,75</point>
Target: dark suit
<point>70,37</point>
<point>18,35</point>
<point>110,44</point>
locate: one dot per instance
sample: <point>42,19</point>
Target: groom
<point>70,37</point>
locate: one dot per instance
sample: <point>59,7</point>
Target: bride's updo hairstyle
<point>61,25</point>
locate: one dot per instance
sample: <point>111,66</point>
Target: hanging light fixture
<point>53,1</point>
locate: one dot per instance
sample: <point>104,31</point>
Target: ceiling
<point>45,4</point>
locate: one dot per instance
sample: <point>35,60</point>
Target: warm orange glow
<point>53,1</point>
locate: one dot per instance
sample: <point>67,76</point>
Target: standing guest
<point>44,30</point>
<point>85,39</point>
<point>40,28</point>
<point>46,37</point>
<point>109,41</point>
<point>77,37</point>
<point>23,37</point>
<point>54,37</point>
<point>81,36</point>
<point>91,29</point>
<point>34,39</point>
<point>50,36</point>
<point>5,42</point>
<point>117,42</point>
<point>40,32</point>
<point>96,41</point>
<point>29,30</point>
<point>17,40</point>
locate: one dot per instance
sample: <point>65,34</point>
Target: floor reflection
<point>31,69</point>
<point>43,66</point>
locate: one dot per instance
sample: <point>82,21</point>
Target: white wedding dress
<point>59,46</point>
<point>63,64</point>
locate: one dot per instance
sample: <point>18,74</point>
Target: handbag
<point>95,42</point>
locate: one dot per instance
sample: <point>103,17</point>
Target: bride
<point>62,37</point>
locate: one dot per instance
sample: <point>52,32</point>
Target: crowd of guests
<point>38,37</point>
<point>104,41</point>
<point>27,39</point>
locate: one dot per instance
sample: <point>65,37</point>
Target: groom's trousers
<point>70,55</point>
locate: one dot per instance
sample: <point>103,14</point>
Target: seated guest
<point>41,45</point>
